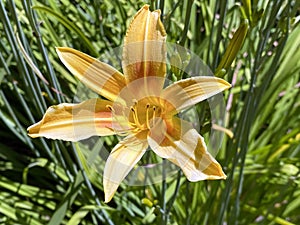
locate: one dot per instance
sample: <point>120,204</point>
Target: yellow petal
<point>121,160</point>
<point>188,92</point>
<point>74,122</point>
<point>98,76</point>
<point>178,142</point>
<point>144,51</point>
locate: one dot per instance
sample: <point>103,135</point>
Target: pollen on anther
<point>109,107</point>
<point>134,101</point>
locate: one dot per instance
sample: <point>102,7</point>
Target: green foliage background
<point>51,182</point>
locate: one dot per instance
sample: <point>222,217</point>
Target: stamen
<point>124,132</point>
<point>121,132</point>
<point>110,108</point>
<point>153,116</point>
<point>147,115</point>
<point>135,117</point>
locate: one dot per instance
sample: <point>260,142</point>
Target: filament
<point>147,116</point>
<point>153,116</point>
<point>121,132</point>
<point>134,115</point>
<point>124,132</point>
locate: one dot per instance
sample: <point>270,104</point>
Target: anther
<point>110,108</point>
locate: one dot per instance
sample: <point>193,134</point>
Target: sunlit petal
<point>121,160</point>
<point>137,90</point>
<point>98,76</point>
<point>144,51</point>
<point>73,122</point>
<point>178,142</point>
<point>188,92</point>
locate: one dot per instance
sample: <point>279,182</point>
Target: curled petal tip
<point>227,84</point>
<point>33,130</point>
<point>219,81</point>
<point>214,171</point>
<point>222,175</point>
<point>108,198</point>
<point>110,189</point>
<point>59,49</point>
<point>146,7</point>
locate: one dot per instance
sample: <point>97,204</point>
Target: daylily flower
<point>136,106</point>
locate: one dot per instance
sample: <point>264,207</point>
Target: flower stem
<point>172,200</point>
<point>187,22</point>
<point>164,219</point>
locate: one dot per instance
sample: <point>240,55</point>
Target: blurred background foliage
<point>50,182</point>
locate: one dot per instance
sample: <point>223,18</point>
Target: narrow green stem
<point>43,50</point>
<point>161,7</point>
<point>186,22</point>
<point>175,194</point>
<point>19,127</point>
<point>188,200</point>
<point>89,186</point>
<point>223,7</point>
<point>164,220</point>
